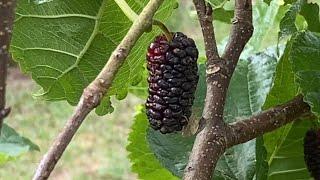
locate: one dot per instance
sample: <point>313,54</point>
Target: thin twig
<point>164,29</point>
<point>92,95</point>
<point>211,142</point>
<point>7,9</point>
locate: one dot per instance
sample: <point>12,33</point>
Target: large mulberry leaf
<point>306,65</point>
<point>64,44</point>
<point>294,74</point>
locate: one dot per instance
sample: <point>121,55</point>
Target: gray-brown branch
<point>241,32</point>
<point>7,11</point>
<point>203,156</point>
<point>266,121</point>
<point>210,143</point>
<point>93,94</point>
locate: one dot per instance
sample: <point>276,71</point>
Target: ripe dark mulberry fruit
<point>312,152</point>
<point>173,77</point>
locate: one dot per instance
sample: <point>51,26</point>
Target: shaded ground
<point>97,151</point>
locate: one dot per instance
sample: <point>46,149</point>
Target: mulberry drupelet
<point>312,152</point>
<point>173,77</point>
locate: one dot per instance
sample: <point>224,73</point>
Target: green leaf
<point>143,160</point>
<point>287,160</point>
<point>311,13</point>
<point>13,145</point>
<point>250,85</point>
<point>284,87</point>
<point>127,10</point>
<point>262,166</point>
<point>287,24</point>
<point>284,146</point>
<point>223,15</point>
<point>141,88</point>
<point>217,3</point>
<point>267,1</point>
<point>105,107</point>
<point>285,1</point>
<point>283,90</point>
<point>306,66</point>
<point>65,45</point>
<point>171,150</point>
<point>265,22</point>
<point>220,12</point>
<point>289,2</point>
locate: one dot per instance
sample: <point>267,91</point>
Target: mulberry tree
<point>231,108</point>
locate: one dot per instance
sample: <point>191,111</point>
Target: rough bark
<point>7,9</point>
<point>266,121</point>
<point>93,94</point>
<point>211,142</point>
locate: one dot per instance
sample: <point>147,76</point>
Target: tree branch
<point>93,94</point>
<point>241,32</point>
<point>7,8</point>
<point>266,121</point>
<point>210,143</point>
<point>205,18</point>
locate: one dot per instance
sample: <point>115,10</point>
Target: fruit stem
<point>164,28</point>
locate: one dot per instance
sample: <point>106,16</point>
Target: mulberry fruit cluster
<point>312,152</point>
<point>173,77</point>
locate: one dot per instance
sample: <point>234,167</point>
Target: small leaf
<point>105,107</point>
<point>223,15</point>
<point>216,3</point>
<point>13,145</point>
